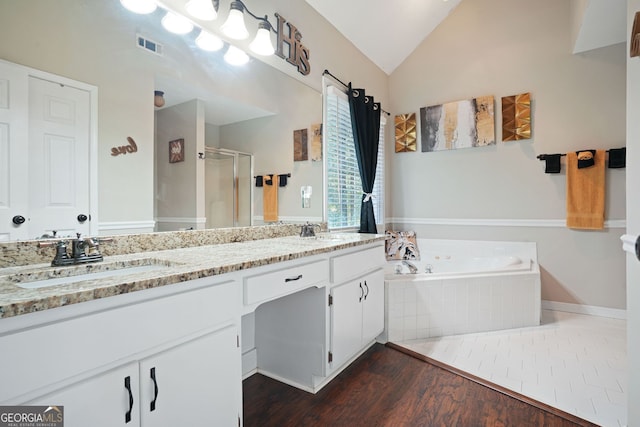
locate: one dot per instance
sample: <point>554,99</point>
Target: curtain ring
<point>355,92</point>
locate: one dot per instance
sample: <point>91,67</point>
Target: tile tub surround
<point>187,263</point>
<point>28,252</point>
<point>432,305</point>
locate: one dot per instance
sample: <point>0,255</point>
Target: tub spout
<point>412,268</point>
<point>428,269</point>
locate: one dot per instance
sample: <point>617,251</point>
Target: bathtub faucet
<point>428,269</point>
<point>412,268</point>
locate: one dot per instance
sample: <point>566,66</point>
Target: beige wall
<point>502,48</point>
<point>633,219</point>
<point>179,186</point>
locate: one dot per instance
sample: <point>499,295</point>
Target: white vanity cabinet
<point>99,401</point>
<point>356,303</point>
<point>306,337</point>
<point>162,357</point>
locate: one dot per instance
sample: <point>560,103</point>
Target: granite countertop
<point>174,266</point>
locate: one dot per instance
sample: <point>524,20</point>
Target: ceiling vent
<point>149,45</point>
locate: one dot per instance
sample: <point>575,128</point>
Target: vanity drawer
<point>275,284</point>
<point>354,264</point>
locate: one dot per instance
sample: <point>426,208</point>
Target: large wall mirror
<point>225,115</point>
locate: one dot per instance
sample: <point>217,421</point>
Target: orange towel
<point>270,200</point>
<point>585,193</point>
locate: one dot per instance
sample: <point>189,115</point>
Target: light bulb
<point>202,9</point>
<point>209,42</point>
<point>262,43</point>
<point>142,7</point>
<point>234,25</point>
<point>176,23</point>
<point>235,56</point>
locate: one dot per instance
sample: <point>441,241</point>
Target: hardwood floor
<point>386,387</point>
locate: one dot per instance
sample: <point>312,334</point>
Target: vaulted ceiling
<point>387,32</point>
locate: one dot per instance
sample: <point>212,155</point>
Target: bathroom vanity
<point>169,346</point>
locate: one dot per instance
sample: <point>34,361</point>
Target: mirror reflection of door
<point>44,156</point>
<point>58,159</point>
<point>227,188</point>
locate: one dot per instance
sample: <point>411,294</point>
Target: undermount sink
<point>54,276</point>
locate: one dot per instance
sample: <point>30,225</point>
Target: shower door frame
<point>236,156</point>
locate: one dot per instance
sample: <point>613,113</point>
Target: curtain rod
<point>347,86</point>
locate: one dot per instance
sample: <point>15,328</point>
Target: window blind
<point>344,188</point>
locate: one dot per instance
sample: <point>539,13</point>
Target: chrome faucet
<point>412,268</point>
<point>308,230</point>
<point>428,269</point>
<point>83,250</point>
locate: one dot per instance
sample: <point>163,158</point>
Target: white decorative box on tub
<point>462,286</point>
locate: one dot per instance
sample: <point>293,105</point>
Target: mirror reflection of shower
<point>228,188</point>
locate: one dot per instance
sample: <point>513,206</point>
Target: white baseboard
<point>591,310</point>
<point>126,225</point>
<point>249,363</point>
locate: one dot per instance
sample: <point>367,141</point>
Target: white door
<point>13,153</point>
<point>109,399</point>
<point>195,384</point>
<point>59,136</point>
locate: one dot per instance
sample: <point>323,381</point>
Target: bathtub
<point>473,286</point>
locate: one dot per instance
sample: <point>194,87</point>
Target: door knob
<point>82,218</point>
<point>18,219</point>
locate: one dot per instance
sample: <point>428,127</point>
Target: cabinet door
<point>346,321</point>
<point>106,400</point>
<point>198,383</point>
<point>373,306</point>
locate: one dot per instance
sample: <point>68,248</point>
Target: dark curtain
<point>365,123</point>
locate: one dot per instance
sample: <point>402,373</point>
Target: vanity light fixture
<point>234,25</point>
<point>235,28</point>
<point>235,56</point>
<point>177,24</point>
<point>262,43</point>
<point>158,98</point>
<point>209,42</point>
<point>143,7</point>
<point>206,10</point>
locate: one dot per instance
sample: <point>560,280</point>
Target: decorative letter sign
<point>298,54</point>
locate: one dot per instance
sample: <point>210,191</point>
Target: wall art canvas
<point>460,124</point>
<point>316,142</point>
<point>406,133</point>
<point>516,117</point>
<point>176,150</point>
<point>300,149</point>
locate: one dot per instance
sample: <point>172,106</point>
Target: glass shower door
<point>228,188</point>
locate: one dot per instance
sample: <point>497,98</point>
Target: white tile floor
<point>573,362</point>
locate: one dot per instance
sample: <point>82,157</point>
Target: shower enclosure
<point>228,188</point>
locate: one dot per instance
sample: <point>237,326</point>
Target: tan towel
<point>585,193</point>
<point>270,200</point>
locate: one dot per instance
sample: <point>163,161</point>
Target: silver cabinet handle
<point>293,279</point>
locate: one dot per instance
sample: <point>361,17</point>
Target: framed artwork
<point>176,150</point>
<point>516,117</point>
<point>406,131</point>
<point>300,148</point>
<point>316,142</point>
<point>461,124</point>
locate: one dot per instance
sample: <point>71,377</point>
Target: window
<point>344,188</point>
